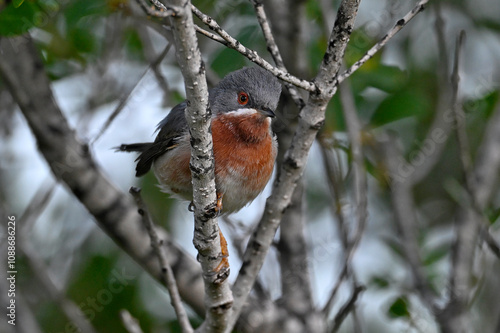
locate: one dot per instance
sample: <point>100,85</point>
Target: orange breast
<point>244,148</point>
<point>244,153</point>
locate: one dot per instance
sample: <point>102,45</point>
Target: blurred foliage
<point>76,35</point>
<point>399,308</point>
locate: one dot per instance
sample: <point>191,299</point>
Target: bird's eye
<point>243,98</point>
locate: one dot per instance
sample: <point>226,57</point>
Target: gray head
<point>249,87</point>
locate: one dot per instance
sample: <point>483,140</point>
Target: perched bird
<point>242,106</point>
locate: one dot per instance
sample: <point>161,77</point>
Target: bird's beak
<point>267,112</point>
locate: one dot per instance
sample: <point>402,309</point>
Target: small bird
<point>244,146</point>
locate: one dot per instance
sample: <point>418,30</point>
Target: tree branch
<point>125,98</point>
<point>310,121</point>
<point>72,163</point>
<point>347,307</point>
<point>371,52</point>
<point>295,281</point>
<point>251,54</point>
<point>405,217</point>
<point>161,11</point>
<point>131,324</point>
<point>274,50</point>
<point>167,276</point>
<point>455,316</point>
<point>218,296</point>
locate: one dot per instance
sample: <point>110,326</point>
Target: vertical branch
<point>296,285</point>
<point>455,317</point>
<point>360,196</point>
<point>405,217</point>
<point>274,50</point>
<point>310,121</point>
<point>218,296</point>
<point>167,277</point>
<point>72,163</point>
<point>292,247</point>
<point>354,131</point>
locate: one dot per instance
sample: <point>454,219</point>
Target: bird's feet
<point>218,205</point>
<point>222,270</point>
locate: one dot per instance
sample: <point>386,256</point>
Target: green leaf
<point>386,78</point>
<point>77,10</point>
<point>19,17</point>
<point>17,3</point>
<point>493,214</point>
<point>134,46</point>
<point>407,103</point>
<point>399,308</point>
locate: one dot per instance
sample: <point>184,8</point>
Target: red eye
<point>242,98</point>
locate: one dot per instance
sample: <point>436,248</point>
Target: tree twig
<point>310,121</point>
<point>161,11</point>
<point>126,97</point>
<point>274,50</point>
<point>218,295</point>
<point>347,307</point>
<point>71,162</point>
<point>295,281</point>
<point>131,324</point>
<point>251,54</point>
<point>354,130</point>
<point>355,133</point>
<point>406,221</point>
<point>371,52</point>
<point>441,127</point>
<point>167,275</point>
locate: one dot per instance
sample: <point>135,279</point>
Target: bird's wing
<point>171,128</point>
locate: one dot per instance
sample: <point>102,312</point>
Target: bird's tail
<point>130,147</point>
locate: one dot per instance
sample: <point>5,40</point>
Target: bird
<point>244,146</point>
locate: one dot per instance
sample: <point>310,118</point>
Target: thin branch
<point>344,273</point>
<point>210,35</point>
<point>455,316</point>
<point>274,50</point>
<point>37,205</point>
<point>355,133</point>
<point>467,224</point>
<point>310,121</point>
<point>131,324</point>
<point>167,275</point>
<point>251,54</point>
<point>487,162</point>
<point>126,97</point>
<point>371,52</point>
<point>458,116</point>
<point>334,175</point>
<point>347,307</point>
<point>296,284</point>
<point>71,162</point>
<point>491,242</point>
<point>161,11</point>
<point>295,279</point>
<point>39,269</point>
<point>207,237</point>
<point>155,61</point>
<point>354,130</point>
<point>405,217</point>
<point>442,126</point>
<point>70,309</point>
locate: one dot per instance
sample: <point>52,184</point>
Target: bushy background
<point>101,54</point>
